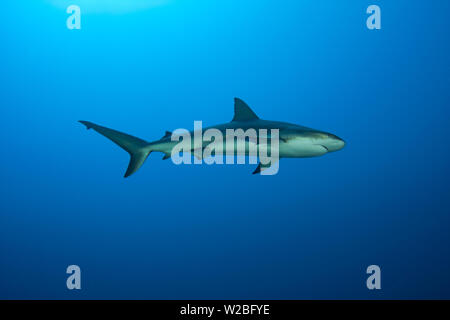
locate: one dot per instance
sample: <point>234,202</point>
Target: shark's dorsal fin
<point>167,134</point>
<point>242,111</point>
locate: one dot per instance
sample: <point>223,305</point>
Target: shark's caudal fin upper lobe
<point>137,148</point>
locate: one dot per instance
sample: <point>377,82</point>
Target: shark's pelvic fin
<point>137,148</point>
<point>242,111</point>
<point>166,156</point>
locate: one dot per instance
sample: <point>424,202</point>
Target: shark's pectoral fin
<point>258,169</point>
<point>261,167</point>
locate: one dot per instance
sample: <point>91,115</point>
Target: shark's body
<point>294,141</point>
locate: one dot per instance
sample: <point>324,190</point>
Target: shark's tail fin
<point>137,148</point>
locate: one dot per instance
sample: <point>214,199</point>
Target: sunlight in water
<point>109,6</point>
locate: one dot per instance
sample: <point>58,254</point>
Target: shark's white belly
<point>301,148</point>
<point>293,148</point>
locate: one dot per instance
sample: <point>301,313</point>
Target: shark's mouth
<point>323,147</point>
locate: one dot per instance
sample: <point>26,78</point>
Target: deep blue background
<point>218,231</point>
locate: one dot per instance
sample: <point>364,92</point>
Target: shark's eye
<point>319,135</point>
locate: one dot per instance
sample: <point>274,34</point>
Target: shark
<point>295,141</point>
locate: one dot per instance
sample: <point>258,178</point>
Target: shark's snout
<point>334,143</point>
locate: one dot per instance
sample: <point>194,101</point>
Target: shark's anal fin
<point>242,111</point>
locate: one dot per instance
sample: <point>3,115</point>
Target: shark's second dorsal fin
<point>167,134</point>
<point>242,111</point>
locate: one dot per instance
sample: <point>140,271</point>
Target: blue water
<point>210,232</point>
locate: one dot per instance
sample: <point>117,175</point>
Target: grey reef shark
<point>294,141</point>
